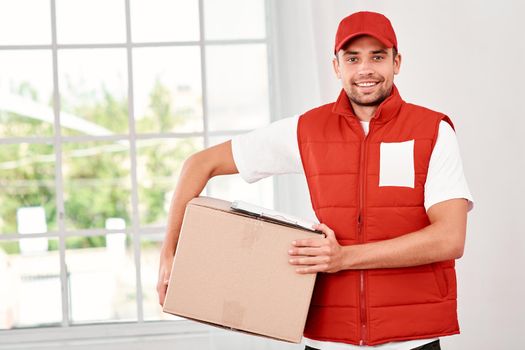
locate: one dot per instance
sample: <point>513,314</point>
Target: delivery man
<point>387,184</point>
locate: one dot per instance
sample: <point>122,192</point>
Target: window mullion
<point>134,182</point>
<point>203,74</point>
<point>58,173</point>
<point>202,45</point>
<point>134,44</point>
<point>273,87</point>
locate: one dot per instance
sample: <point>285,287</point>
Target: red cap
<point>365,23</point>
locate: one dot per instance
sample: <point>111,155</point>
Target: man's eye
<point>378,58</point>
<point>352,59</point>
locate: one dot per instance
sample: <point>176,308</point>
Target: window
<point>100,103</point>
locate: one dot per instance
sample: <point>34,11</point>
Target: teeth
<point>366,84</point>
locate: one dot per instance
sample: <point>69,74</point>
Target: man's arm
<point>443,239</point>
<point>195,174</point>
<point>260,153</point>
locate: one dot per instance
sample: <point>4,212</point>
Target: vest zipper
<point>360,233</point>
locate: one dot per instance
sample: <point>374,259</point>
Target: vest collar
<point>387,110</point>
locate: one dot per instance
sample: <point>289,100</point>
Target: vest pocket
<point>441,279</point>
<point>396,164</point>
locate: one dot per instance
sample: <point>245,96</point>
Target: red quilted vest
<point>342,167</point>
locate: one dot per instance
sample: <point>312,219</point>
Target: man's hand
<point>165,265</point>
<point>313,255</point>
<point>443,239</point>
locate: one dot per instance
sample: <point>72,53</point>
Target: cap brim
<point>343,42</point>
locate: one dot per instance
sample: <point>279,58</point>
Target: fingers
<point>316,254</point>
<point>312,269</point>
<point>310,264</point>
<point>310,242</point>
<point>306,251</point>
<point>310,260</point>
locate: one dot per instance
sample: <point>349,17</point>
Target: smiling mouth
<point>367,84</point>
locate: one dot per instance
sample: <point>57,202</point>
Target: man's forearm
<point>421,247</point>
<point>192,180</point>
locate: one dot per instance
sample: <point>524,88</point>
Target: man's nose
<point>365,69</point>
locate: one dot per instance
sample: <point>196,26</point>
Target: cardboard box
<point>232,270</point>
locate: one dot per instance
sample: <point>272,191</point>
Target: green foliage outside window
<point>97,186</point>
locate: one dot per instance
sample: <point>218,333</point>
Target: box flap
<point>272,215</point>
<point>209,202</point>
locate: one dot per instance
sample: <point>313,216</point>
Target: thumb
<point>162,286</point>
<point>328,232</point>
<point>166,279</point>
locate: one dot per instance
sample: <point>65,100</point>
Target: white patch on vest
<point>396,164</point>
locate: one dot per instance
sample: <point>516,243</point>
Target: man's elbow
<point>196,165</point>
<point>450,223</point>
<point>452,246</point>
<point>458,252</point>
<point>458,248</point>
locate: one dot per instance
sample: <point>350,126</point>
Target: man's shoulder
<point>424,116</point>
<point>317,117</point>
<point>323,109</point>
<point>418,110</point>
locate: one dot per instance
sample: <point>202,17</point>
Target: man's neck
<point>364,113</point>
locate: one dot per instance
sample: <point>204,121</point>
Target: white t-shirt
<point>274,150</point>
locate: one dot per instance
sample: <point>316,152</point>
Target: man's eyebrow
<point>375,52</point>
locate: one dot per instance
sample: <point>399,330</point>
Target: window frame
<point>140,327</point>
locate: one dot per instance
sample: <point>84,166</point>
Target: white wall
<point>466,59</point>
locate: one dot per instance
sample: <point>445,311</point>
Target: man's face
<point>366,68</point>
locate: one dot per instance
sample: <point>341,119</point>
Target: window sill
<point>100,333</point>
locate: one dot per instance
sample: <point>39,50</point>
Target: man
<point>386,182</point>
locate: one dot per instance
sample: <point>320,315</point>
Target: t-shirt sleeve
<point>270,150</point>
<point>445,178</point>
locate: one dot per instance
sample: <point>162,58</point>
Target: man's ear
<point>335,63</point>
<point>397,64</point>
